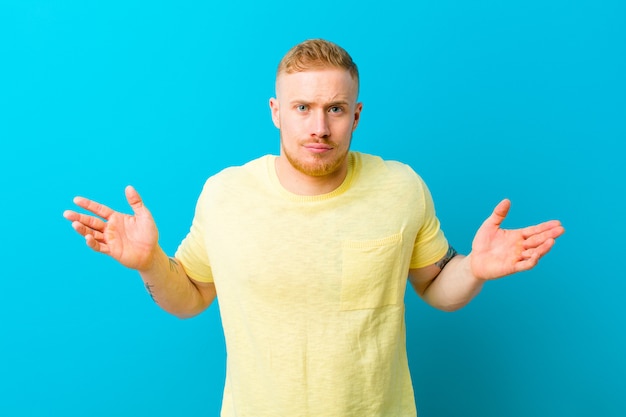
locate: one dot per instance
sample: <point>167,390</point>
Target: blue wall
<point>486,99</point>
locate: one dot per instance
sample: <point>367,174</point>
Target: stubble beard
<point>321,166</point>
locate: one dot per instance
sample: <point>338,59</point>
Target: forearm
<point>171,288</point>
<point>454,287</point>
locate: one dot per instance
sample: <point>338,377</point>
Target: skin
<point>132,240</point>
<point>496,253</point>
<point>316,112</point>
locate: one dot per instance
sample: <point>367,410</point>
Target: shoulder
<point>373,168</point>
<point>239,174</point>
<point>236,180</point>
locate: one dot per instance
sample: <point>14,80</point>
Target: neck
<point>299,183</point>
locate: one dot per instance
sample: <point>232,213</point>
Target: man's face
<point>316,112</point>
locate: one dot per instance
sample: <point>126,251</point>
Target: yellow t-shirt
<point>311,288</point>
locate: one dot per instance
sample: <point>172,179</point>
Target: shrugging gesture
<point>455,280</point>
<point>498,252</point>
<point>131,240</point>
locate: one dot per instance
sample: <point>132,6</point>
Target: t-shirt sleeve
<point>430,244</point>
<point>192,252</point>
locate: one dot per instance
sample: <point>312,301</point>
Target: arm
<point>173,290</point>
<point>452,282</point>
<point>447,285</point>
<point>133,242</point>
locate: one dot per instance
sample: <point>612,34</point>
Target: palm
<point>497,252</point>
<point>128,239</point>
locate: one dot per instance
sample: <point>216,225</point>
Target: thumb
<point>134,200</point>
<point>500,212</point>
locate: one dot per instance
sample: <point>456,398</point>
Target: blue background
<point>485,99</point>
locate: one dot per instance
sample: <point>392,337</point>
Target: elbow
<point>186,312</point>
<point>449,307</point>
<point>182,314</point>
<point>185,316</point>
<point>197,305</point>
<point>443,303</point>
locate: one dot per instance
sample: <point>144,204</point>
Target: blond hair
<point>314,54</point>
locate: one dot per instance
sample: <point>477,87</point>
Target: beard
<point>318,165</point>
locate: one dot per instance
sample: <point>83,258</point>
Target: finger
<point>500,212</point>
<point>70,215</point>
<point>529,260</point>
<point>526,264</point>
<point>536,253</point>
<point>537,240</point>
<point>87,231</point>
<point>90,221</point>
<point>94,207</point>
<point>544,248</point>
<point>553,228</point>
<point>95,244</point>
<point>133,198</point>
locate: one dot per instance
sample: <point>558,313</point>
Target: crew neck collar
<point>271,170</point>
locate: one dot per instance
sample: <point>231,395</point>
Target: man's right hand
<point>131,240</point>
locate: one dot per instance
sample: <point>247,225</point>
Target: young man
<point>309,253</point>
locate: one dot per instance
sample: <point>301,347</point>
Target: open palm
<point>129,239</point>
<point>498,252</point>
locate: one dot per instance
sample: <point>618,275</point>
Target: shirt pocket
<point>371,272</point>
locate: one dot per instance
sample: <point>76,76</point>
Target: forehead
<point>330,83</point>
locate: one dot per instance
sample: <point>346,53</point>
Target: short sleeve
<point>192,251</point>
<point>430,244</point>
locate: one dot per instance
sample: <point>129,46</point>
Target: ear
<point>357,115</point>
<point>275,108</point>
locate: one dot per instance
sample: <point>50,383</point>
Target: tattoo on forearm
<point>173,265</point>
<point>149,289</point>
<point>451,253</point>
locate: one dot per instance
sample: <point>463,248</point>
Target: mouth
<point>317,147</point>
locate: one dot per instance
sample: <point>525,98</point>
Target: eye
<point>301,107</point>
<point>335,109</point>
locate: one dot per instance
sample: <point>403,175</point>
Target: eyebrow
<point>330,104</point>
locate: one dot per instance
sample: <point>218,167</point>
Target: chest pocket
<point>371,272</point>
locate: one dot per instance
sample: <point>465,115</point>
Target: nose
<point>320,127</point>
